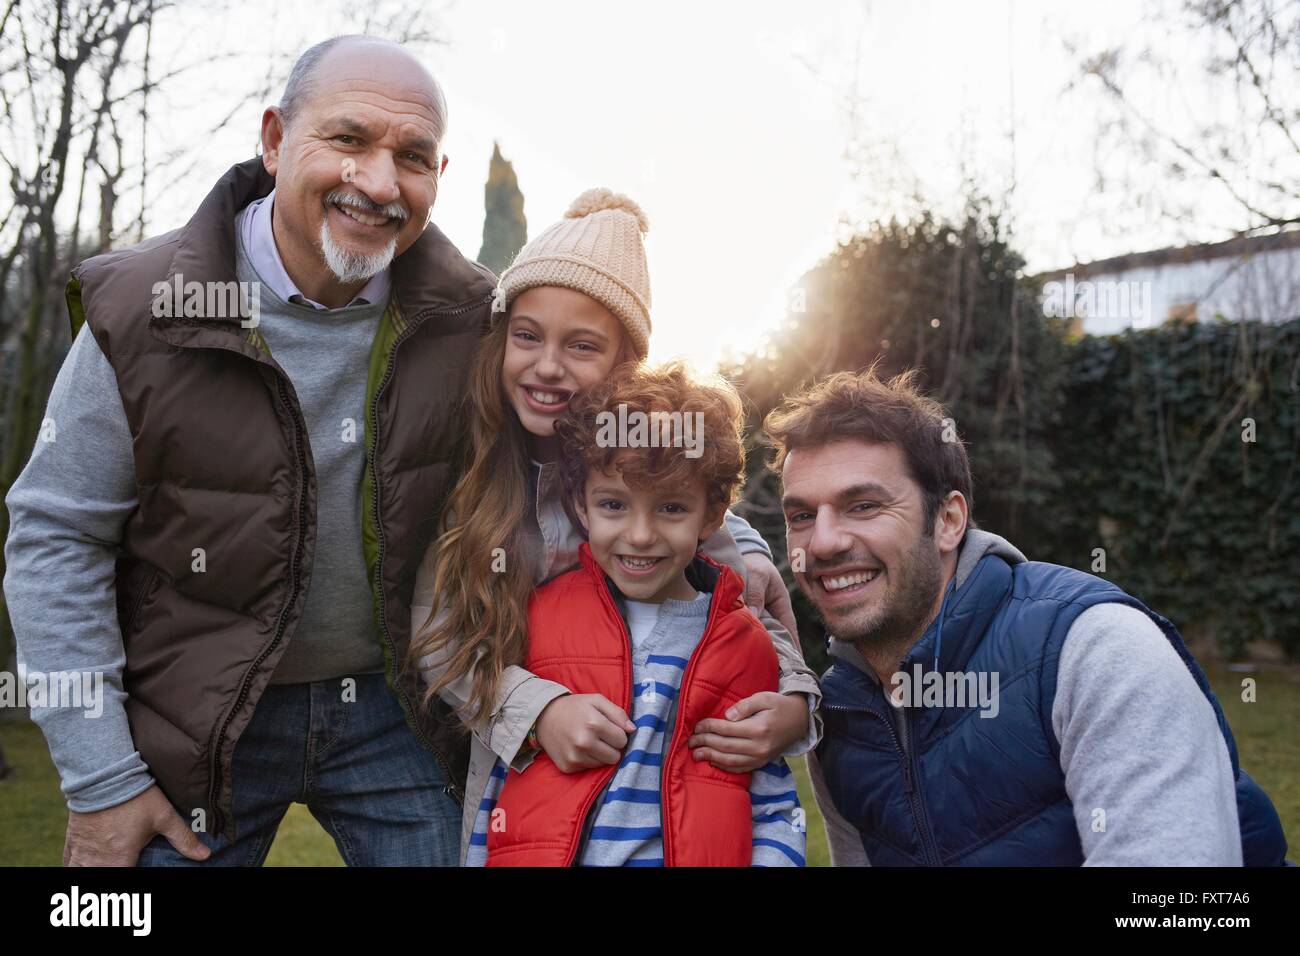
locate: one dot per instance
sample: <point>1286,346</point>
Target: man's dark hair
<point>849,405</point>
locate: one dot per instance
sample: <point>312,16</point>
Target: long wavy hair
<point>484,625</point>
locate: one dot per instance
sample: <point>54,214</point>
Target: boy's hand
<point>581,731</point>
<point>758,730</point>
<point>764,588</point>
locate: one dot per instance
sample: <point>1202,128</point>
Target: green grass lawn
<point>33,815</point>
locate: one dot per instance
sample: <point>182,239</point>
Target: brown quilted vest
<point>222,463</point>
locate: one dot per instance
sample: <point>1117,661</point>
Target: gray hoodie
<point>1120,686</point>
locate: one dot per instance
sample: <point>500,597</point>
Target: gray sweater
<point>69,507</point>
<point>1138,739</point>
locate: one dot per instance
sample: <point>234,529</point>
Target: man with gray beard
<point>1106,745</point>
<point>229,521</point>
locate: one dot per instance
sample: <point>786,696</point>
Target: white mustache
<point>394,210</point>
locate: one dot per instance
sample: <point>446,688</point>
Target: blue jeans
<point>356,765</point>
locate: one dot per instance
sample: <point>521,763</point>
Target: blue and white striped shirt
<point>628,830</point>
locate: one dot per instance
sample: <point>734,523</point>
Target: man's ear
<point>272,138</point>
<point>442,167</point>
<point>950,522</point>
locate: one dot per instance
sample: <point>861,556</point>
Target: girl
<point>573,305</point>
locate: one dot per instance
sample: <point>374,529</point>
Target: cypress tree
<point>505,230</point>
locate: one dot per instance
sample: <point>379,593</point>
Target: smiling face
<point>357,168</point>
<point>644,539</point>
<point>558,342</point>
<point>870,567</point>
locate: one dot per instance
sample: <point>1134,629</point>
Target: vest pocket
<point>715,822</point>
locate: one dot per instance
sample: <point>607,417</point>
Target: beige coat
<point>522,695</point>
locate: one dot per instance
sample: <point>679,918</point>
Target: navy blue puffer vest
<point>976,792</point>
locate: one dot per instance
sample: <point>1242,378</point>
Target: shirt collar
<point>259,241</point>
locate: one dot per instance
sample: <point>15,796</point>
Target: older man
<point>253,435</point>
<point>196,530</point>
<point>234,459</point>
<point>982,709</point>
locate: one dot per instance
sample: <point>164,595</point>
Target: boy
<point>654,627</point>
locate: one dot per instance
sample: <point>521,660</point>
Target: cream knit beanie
<point>596,249</point>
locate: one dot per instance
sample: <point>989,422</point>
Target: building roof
<point>1178,255</point>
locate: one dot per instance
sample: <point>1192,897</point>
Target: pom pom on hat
<point>594,200</point>
<point>596,249</point>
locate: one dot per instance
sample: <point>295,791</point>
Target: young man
<point>649,625</point>
<point>982,709</point>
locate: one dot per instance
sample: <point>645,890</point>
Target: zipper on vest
<point>910,782</point>
<point>923,820</point>
<point>672,729</point>
<point>589,818</point>
<point>589,812</point>
<point>295,578</point>
<point>391,656</point>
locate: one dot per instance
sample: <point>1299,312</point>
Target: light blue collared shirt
<point>259,242</point>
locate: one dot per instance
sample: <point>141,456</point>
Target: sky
<point>728,122</point>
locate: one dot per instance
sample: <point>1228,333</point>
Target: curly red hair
<point>665,390</point>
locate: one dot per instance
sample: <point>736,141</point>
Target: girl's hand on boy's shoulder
<point>756,731</point>
<point>581,731</point>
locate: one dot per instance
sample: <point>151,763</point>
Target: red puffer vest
<point>577,637</point>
